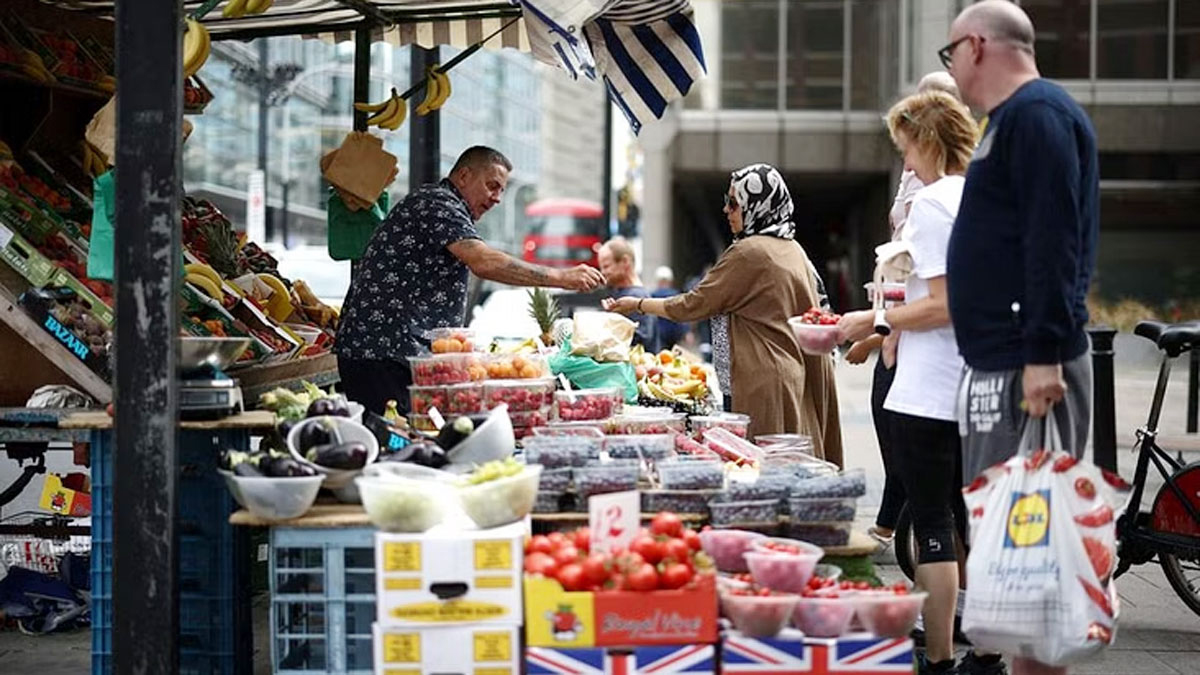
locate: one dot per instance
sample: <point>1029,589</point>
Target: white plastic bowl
<point>886,614</point>
<point>336,479</point>
<point>274,498</point>
<point>396,504</point>
<point>492,440</point>
<point>502,501</point>
<point>814,338</point>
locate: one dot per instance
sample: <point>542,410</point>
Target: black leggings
<point>374,383</point>
<point>928,457</point>
<point>893,488</point>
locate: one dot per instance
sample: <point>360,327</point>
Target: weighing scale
<point>206,392</point>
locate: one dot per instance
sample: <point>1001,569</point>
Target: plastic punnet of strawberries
<point>820,317</point>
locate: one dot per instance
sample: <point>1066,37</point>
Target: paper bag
<point>362,167</point>
<point>101,132</point>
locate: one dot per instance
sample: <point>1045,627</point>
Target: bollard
<point>1104,404</point>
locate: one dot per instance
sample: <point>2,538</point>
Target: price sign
<point>614,520</point>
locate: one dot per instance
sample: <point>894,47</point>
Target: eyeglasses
<point>946,54</point>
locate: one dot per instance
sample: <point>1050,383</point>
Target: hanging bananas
<point>389,114</point>
<point>236,9</point>
<point>196,47</point>
<point>437,90</point>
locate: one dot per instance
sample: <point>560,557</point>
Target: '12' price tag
<point>614,520</point>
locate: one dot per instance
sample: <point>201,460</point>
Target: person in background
<point>619,266</point>
<point>667,332</point>
<point>893,488</point>
<point>760,281</point>
<point>413,277</point>
<point>1023,251</point>
<point>936,134</point>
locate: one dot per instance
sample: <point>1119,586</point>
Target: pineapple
<point>544,310</point>
<point>222,249</point>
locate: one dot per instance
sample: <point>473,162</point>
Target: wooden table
<point>99,420</point>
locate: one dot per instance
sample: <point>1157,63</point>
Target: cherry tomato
<point>615,583</point>
<point>692,539</point>
<point>540,563</point>
<point>540,543</point>
<point>676,575</point>
<point>583,539</point>
<point>677,550</point>
<point>566,555</point>
<point>667,523</point>
<point>862,586</point>
<point>571,577</point>
<point>650,550</point>
<point>557,538</point>
<point>595,568</point>
<point>644,578</point>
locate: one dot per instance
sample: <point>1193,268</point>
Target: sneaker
<point>973,664</point>
<point>924,667</point>
<point>884,540</point>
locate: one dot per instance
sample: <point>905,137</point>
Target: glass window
<point>875,53</point>
<point>1132,39</point>
<point>1187,40</point>
<point>750,54</point>
<point>1062,29</point>
<point>814,54</point>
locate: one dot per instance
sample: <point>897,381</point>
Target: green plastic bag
<point>350,231</point>
<point>584,372</point>
<point>104,214</point>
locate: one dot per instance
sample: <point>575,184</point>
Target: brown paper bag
<point>362,167</point>
<point>101,132</point>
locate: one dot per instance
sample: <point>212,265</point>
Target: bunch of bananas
<point>316,311</point>
<point>235,9</point>
<point>387,115</point>
<point>196,46</point>
<point>34,68</point>
<point>206,279</point>
<point>437,90</point>
<point>94,161</point>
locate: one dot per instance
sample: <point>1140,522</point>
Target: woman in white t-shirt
<point>936,134</point>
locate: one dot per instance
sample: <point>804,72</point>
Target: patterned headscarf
<point>765,201</point>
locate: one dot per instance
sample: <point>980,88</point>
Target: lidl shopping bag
<point>1043,550</point>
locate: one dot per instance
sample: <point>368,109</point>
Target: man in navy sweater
<point>1023,248</point>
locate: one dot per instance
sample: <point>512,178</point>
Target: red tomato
<point>540,563</point>
<point>650,550</point>
<point>571,577</point>
<point>677,550</point>
<point>566,555</point>
<point>644,578</point>
<point>676,575</point>
<point>557,538</point>
<point>540,543</point>
<point>615,583</point>
<point>692,539</point>
<point>583,539</point>
<point>595,568</point>
<point>862,586</point>
<point>667,523</point>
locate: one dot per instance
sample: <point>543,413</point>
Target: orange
<point>453,345</point>
<point>530,371</point>
<point>518,363</point>
<point>666,358</point>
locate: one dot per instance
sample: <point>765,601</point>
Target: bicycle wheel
<point>905,544</point>
<point>1184,577</point>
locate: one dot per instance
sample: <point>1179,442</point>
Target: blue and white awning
<point>647,52</point>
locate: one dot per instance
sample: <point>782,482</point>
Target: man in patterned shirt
<point>413,277</point>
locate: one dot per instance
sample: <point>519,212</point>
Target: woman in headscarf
<point>760,281</point>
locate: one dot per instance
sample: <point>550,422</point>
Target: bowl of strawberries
<point>816,331</point>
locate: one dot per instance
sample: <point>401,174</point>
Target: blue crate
<point>322,600</point>
<point>207,593</point>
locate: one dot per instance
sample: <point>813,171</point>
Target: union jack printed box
<point>791,653</point>
<point>657,660</point>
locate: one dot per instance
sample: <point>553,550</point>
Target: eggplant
<point>314,434</point>
<point>285,427</point>
<point>454,433</point>
<point>351,455</point>
<point>285,467</point>
<point>247,469</point>
<point>230,458</point>
<point>429,454</point>
<point>340,408</point>
<point>404,454</point>
<point>326,406</point>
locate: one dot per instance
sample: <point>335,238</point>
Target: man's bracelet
<point>639,305</point>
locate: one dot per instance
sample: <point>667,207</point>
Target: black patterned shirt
<point>408,281</point>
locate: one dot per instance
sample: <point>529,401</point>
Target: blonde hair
<point>938,80</point>
<point>939,125</point>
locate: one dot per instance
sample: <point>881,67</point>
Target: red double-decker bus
<point>564,232</point>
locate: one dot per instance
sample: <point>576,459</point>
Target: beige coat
<point>760,282</point>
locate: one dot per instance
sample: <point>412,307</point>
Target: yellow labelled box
<point>470,650</point>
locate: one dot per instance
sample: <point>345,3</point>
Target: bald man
<point>1023,248</point>
<point>619,267</point>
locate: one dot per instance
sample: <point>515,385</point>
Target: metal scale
<point>206,392</point>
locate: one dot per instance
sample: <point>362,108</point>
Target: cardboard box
<point>791,652</point>
<point>450,576</point>
<point>556,618</point>
<point>689,659</point>
<point>24,257</point>
<point>473,650</point>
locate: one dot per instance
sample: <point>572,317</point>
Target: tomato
<point>667,523</point>
<point>1084,488</point>
<point>540,543</point>
<point>862,586</point>
<point>900,588</point>
<point>571,577</point>
<point>1100,556</point>
<point>644,578</point>
<point>557,538</point>
<point>650,550</point>
<point>615,583</point>
<point>583,539</point>
<point>1101,515</point>
<point>595,568</point>
<point>692,539</point>
<point>677,550</point>
<point>566,555</point>
<point>676,575</point>
<point>540,563</point>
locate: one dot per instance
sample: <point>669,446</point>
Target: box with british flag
<point>790,653</point>
<point>698,659</point>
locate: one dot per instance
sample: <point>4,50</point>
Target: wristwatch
<point>881,323</point>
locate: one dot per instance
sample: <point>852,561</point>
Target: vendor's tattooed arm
<point>488,263</point>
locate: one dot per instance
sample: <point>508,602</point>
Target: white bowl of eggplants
<point>336,447</point>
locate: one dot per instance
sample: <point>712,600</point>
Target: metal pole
<point>148,192</point>
<point>606,172</point>
<point>425,131</point>
<point>1104,406</point>
<point>264,123</point>
<point>1193,384</point>
<point>362,74</point>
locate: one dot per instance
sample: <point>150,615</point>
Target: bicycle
<point>1170,530</point>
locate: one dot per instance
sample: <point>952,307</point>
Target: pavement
<point>1157,634</point>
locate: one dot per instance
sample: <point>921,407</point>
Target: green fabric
<point>100,245</point>
<point>584,372</point>
<point>349,231</point>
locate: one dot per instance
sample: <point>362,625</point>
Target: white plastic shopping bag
<point>1043,550</point>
